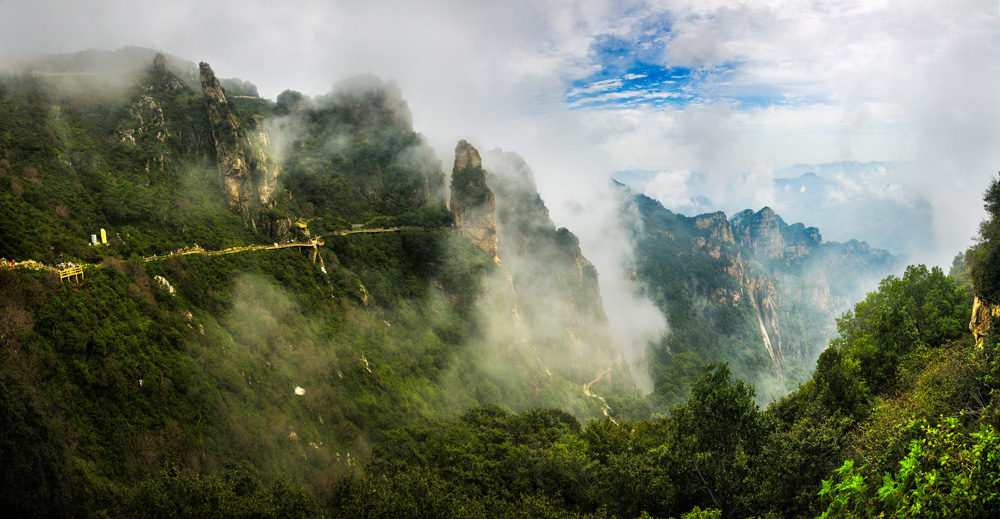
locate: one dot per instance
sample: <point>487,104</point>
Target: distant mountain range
<point>867,201</point>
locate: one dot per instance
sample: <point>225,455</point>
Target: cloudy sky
<point>729,92</point>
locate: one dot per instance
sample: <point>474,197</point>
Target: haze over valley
<point>529,260</point>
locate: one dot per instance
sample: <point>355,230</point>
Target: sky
<point>728,92</point>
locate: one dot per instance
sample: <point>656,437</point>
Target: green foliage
<point>698,513</point>
<point>846,493</point>
<point>714,443</point>
<point>922,308</point>
<point>181,494</point>
<point>804,448</point>
<point>947,472</point>
<point>984,257</point>
<point>34,481</point>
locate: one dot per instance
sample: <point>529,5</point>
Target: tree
<point>923,308</point>
<point>713,444</point>
<point>34,470</point>
<point>984,256</point>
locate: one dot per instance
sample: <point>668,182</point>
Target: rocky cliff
<point>558,292</point>
<point>752,290</point>
<point>147,120</point>
<point>472,201</point>
<point>768,236</point>
<point>247,176</point>
<point>983,313</point>
<point>164,79</point>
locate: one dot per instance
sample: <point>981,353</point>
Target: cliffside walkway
<point>386,229</point>
<point>231,250</point>
<point>75,271</point>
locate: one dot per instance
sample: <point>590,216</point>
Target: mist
<point>716,99</point>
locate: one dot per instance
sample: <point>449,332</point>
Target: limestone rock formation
<point>982,313</point>
<point>717,224</point>
<point>759,232</point>
<point>560,299</point>
<point>768,236</point>
<point>752,285</point>
<point>247,177</point>
<point>149,116</point>
<point>472,201</point>
<point>164,79</point>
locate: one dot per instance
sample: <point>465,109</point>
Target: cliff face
<point>558,292</point>
<point>247,177</point>
<point>768,236</point>
<point>472,201</point>
<point>164,79</point>
<point>148,127</point>
<point>717,225</point>
<point>982,313</point>
<point>753,291</point>
<point>376,112</point>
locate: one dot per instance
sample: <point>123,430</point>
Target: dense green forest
<point>397,374</point>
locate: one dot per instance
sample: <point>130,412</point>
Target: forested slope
<point>460,367</point>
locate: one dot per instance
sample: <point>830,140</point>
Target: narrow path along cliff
<point>71,269</point>
<point>604,404</point>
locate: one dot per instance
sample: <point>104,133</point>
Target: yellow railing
<point>70,272</point>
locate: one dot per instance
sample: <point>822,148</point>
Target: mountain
<point>750,290</point>
<point>870,202</point>
<point>298,311</point>
<point>864,201</point>
<point>213,330</point>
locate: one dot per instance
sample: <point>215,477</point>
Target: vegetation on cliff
<point>397,374</point>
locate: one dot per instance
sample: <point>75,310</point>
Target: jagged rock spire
<point>246,176</point>
<point>472,201</point>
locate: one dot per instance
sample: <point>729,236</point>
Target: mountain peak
<point>472,201</point>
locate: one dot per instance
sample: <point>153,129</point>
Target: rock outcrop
<point>717,224</point>
<point>768,236</point>
<point>472,201</point>
<point>752,290</point>
<point>149,121</point>
<point>983,312</point>
<point>247,177</point>
<point>147,116</point>
<point>164,79</point>
<point>560,299</point>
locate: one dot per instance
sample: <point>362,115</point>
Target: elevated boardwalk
<point>73,273</point>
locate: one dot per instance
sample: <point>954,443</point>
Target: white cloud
<point>853,79</point>
<point>670,188</point>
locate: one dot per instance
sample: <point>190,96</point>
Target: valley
<point>453,355</point>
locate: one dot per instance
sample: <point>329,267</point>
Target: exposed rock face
<point>150,121</point>
<point>163,79</point>
<point>768,236</point>
<point>247,177</point>
<point>982,313</point>
<point>147,113</point>
<point>472,201</point>
<point>759,232</point>
<point>717,224</point>
<point>557,287</point>
<point>756,284</point>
